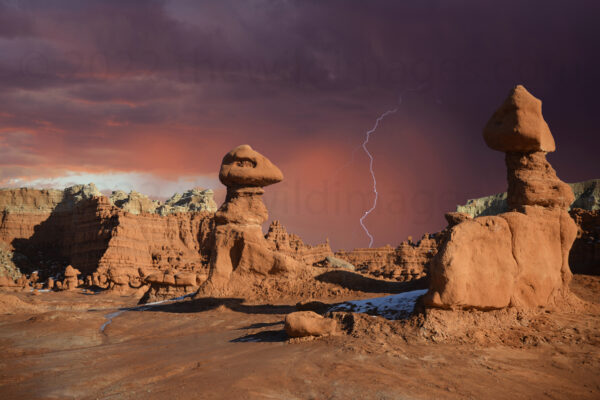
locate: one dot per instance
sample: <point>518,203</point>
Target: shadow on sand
<point>354,281</point>
<point>234,304</point>
<point>264,336</point>
<point>211,303</point>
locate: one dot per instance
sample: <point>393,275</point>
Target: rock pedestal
<point>71,282</point>
<point>518,258</point>
<point>240,252</point>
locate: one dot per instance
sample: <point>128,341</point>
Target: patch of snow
<point>396,306</point>
<point>109,318</point>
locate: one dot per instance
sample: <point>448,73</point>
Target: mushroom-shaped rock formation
<point>240,252</point>
<point>71,282</point>
<point>518,258</point>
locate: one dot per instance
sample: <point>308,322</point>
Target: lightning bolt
<point>364,146</point>
<point>366,150</point>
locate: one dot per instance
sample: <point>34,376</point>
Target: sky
<point>151,95</point>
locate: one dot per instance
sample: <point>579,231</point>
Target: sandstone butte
<point>518,258</point>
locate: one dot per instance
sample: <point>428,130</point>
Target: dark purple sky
<point>150,95</point>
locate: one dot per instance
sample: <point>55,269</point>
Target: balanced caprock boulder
<point>240,253</point>
<point>518,258</point>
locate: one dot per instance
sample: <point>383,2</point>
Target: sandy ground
<point>52,347</point>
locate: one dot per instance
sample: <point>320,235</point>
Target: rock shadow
<point>57,240</point>
<point>212,303</point>
<point>261,325</point>
<point>264,336</point>
<point>354,281</point>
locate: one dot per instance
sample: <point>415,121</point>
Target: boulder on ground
<point>308,323</point>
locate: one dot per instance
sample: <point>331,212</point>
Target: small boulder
<point>308,323</point>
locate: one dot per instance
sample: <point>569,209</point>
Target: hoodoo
<point>241,252</point>
<point>518,258</point>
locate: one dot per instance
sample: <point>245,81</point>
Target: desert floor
<point>52,347</point>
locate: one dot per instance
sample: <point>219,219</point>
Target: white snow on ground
<point>109,318</point>
<point>391,307</point>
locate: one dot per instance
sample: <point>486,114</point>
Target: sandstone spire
<point>519,258</point>
<point>240,252</point>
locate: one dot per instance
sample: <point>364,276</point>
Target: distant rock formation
<point>133,202</point>
<point>115,243</point>
<point>240,253</point>
<point>587,197</point>
<point>518,258</point>
<point>292,245</point>
<point>585,254</point>
<point>408,261</point>
<point>191,200</point>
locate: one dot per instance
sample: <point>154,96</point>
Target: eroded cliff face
<point>292,245</point>
<point>46,230</point>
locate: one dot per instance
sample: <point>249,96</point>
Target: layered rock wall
<point>47,229</point>
<point>292,245</point>
<point>404,263</point>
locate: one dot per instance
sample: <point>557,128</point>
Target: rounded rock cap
<point>70,271</point>
<point>244,166</point>
<point>518,125</point>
